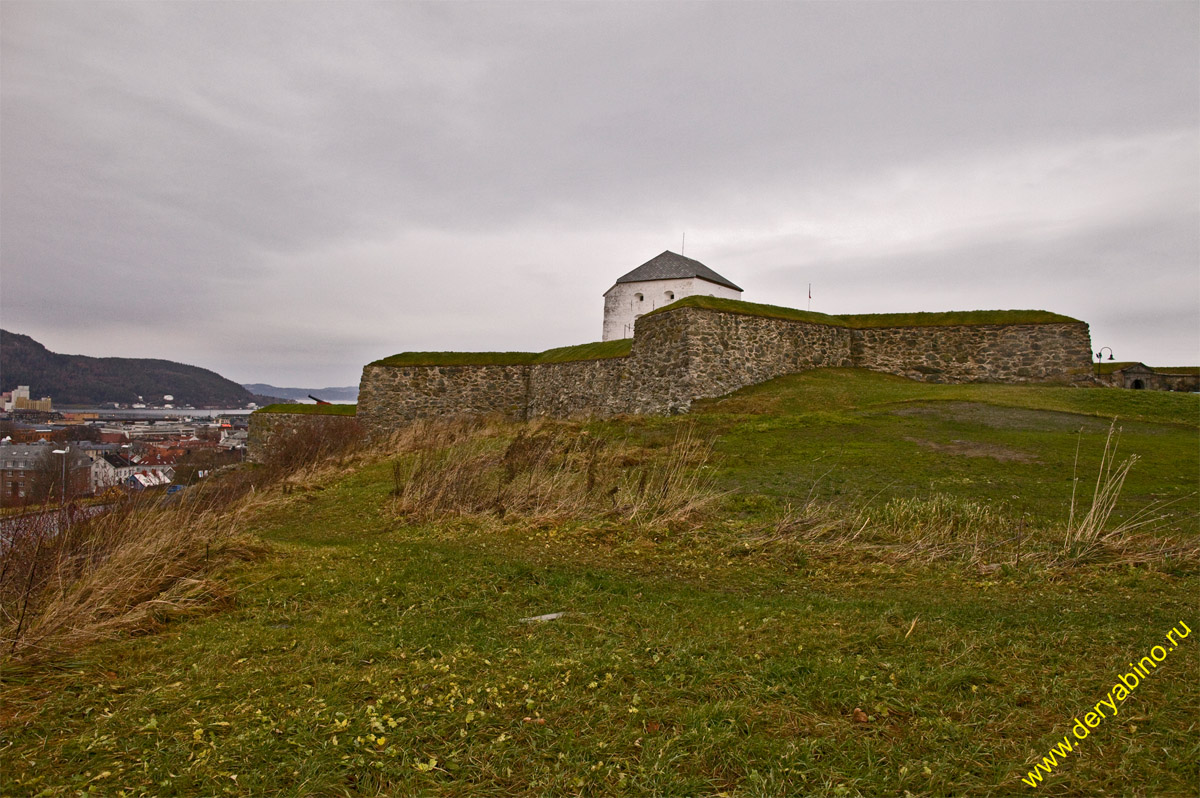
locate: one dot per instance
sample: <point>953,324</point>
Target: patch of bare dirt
<point>977,449</point>
<point>999,417</point>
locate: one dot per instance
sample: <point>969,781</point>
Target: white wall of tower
<point>625,302</point>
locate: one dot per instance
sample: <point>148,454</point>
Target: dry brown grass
<point>67,580</point>
<point>548,472</point>
<point>309,441</point>
<point>130,569</point>
<point>917,530</point>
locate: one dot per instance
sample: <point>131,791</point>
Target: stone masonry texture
<point>685,354</point>
<point>391,395</point>
<point>979,353</point>
<point>266,428</point>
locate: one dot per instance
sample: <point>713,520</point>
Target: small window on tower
<point>638,297</point>
<point>670,295</point>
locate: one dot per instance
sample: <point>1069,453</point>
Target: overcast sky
<point>285,191</point>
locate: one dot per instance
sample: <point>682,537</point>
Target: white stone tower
<point>657,282</point>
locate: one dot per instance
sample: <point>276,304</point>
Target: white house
<point>111,469</point>
<point>657,282</point>
<point>151,478</point>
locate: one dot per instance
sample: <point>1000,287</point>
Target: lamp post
<point>128,459</point>
<point>1100,356</point>
<point>62,496</point>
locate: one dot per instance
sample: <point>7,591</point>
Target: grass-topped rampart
<point>870,320</point>
<point>1109,367</point>
<point>309,410</point>
<point>599,350</point>
<point>1174,371</point>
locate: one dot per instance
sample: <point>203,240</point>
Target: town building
<point>94,450</point>
<point>109,470</point>
<point>30,471</point>
<point>32,433</point>
<point>19,399</point>
<point>149,478</point>
<point>233,439</point>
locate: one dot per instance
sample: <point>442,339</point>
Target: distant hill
<point>348,393</point>
<point>82,380</point>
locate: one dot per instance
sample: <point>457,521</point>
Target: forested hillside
<point>82,380</point>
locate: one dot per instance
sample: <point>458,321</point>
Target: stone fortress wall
<point>268,428</point>
<point>687,352</point>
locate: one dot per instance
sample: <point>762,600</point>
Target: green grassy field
<point>858,435</point>
<point>849,616</point>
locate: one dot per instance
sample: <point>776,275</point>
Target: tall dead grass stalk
<point>1089,537</point>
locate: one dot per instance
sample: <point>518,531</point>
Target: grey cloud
<point>283,173</point>
<point>1136,284</point>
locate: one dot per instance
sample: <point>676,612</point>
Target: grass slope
<point>374,655</point>
<point>854,435</point>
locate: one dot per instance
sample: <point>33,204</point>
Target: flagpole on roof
<point>683,242</point>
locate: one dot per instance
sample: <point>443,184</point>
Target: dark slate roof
<point>669,266</point>
<point>118,461</point>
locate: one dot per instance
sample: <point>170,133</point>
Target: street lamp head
<point>61,451</point>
